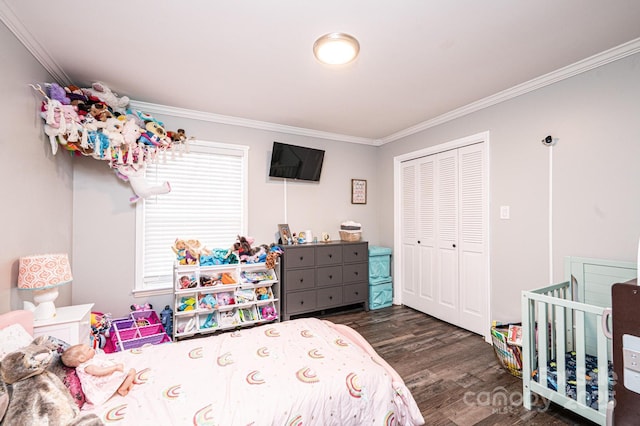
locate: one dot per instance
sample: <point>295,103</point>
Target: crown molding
<point>243,122</point>
<point>595,61</point>
<point>14,24</point>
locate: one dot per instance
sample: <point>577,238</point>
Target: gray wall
<point>104,234</point>
<point>596,177</point>
<point>36,211</point>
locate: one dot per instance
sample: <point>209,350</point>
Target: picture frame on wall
<point>358,191</point>
<point>285,234</point>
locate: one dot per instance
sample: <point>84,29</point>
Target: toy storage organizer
<point>139,328</point>
<point>566,354</point>
<point>214,298</point>
<point>380,282</point>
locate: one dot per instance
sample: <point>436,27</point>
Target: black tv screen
<point>295,162</point>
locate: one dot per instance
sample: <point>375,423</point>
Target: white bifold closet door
<point>443,236</point>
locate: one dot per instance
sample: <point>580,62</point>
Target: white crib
<point>571,316</point>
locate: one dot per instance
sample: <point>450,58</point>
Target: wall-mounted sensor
<point>549,140</point>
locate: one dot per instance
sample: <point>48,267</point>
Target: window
<point>207,202</point>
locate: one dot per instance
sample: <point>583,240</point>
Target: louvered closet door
<point>418,236</point>
<point>443,236</point>
<point>472,239</point>
<point>447,237</point>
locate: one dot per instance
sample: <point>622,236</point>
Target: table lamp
<point>42,274</point>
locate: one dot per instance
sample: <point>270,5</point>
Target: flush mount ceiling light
<point>336,48</point>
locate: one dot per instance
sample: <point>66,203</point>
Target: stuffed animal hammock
<point>96,122</point>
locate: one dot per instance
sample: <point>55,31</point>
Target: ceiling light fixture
<point>336,48</point>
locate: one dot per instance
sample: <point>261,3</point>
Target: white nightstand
<point>71,324</point>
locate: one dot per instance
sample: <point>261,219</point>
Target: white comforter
<point>305,371</point>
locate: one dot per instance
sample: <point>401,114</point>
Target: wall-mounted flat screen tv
<point>296,162</point>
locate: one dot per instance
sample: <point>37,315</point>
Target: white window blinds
<point>207,202</point>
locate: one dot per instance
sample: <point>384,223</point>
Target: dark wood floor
<point>453,374</point>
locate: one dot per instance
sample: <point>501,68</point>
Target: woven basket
<point>509,356</point>
<point>350,235</point>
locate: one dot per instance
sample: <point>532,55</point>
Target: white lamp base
<point>45,309</point>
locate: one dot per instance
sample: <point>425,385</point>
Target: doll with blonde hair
<point>100,377</point>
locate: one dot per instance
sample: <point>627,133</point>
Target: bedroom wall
<point>104,232</point>
<point>596,202</point>
<point>37,194</point>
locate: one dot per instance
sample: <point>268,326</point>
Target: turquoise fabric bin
<point>380,294</point>
<point>379,262</point>
<point>380,282</point>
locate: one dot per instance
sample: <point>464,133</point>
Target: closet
<point>443,228</point>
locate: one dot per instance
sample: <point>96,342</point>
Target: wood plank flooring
<point>452,373</point>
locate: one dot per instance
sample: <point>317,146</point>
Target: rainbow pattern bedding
<point>305,371</point>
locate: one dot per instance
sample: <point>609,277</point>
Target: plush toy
<point>30,394</point>
<point>208,302</point>
<point>102,92</point>
<point>145,307</point>
<point>262,293</point>
<point>135,176</point>
<point>58,93</point>
<point>268,313</point>
<point>187,304</point>
<point>272,256</point>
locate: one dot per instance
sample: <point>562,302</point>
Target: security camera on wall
<point>549,140</point>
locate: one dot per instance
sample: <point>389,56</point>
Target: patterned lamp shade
<point>44,271</point>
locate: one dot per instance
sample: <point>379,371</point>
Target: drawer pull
<point>330,255</point>
<point>356,272</point>
<point>301,258</point>
<point>357,293</point>
<point>302,302</point>
<point>355,253</point>
<point>330,277</point>
<point>301,279</point>
<point>330,297</point>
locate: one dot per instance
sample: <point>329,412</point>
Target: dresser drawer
<point>328,255</point>
<point>355,293</point>
<point>300,301</point>
<point>329,297</point>
<point>329,275</point>
<point>355,272</point>
<point>299,257</point>
<point>299,279</point>
<point>355,253</point>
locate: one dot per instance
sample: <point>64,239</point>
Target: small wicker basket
<point>509,356</point>
<point>350,235</point>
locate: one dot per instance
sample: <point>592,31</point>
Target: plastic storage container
<point>139,328</point>
<point>380,281</point>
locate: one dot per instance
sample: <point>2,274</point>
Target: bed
<point>304,371</point>
<point>566,352</point>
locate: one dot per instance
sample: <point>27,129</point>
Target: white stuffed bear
<point>135,176</point>
<point>102,92</point>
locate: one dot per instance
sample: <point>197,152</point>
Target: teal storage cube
<point>379,263</point>
<point>380,295</point>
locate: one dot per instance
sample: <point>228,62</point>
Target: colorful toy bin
<point>138,329</point>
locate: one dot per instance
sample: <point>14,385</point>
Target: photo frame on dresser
<point>285,234</point>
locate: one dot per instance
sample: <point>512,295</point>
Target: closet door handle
<point>454,246</point>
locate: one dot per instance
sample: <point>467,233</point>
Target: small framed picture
<point>285,234</point>
<point>358,191</point>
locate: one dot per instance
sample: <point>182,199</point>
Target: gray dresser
<point>320,276</point>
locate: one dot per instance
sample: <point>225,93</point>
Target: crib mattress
<point>592,377</point>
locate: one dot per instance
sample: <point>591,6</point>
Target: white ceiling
<point>251,62</point>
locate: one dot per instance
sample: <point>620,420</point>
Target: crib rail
<point>553,324</point>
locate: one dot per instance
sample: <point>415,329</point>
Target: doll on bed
<point>100,377</point>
